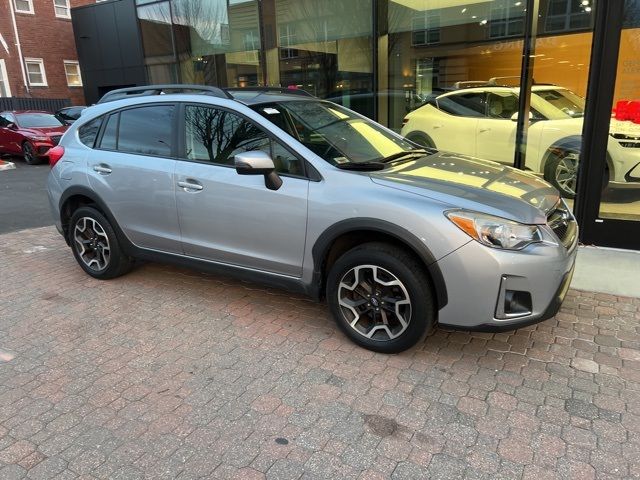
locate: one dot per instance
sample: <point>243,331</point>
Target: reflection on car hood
<point>474,184</point>
<point>44,130</point>
<point>625,127</point>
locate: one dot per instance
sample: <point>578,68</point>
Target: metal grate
<point>46,104</point>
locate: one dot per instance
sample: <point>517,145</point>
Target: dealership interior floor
<point>608,270</point>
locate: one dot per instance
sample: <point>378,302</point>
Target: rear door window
<point>470,104</point>
<point>88,132</point>
<point>147,130</point>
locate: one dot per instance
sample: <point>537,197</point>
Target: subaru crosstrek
<point>279,187</point>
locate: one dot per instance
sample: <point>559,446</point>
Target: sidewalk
<point>608,270</point>
<point>168,373</point>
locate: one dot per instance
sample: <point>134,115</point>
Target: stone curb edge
<point>6,165</point>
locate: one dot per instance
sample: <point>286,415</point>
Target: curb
<point>6,165</point>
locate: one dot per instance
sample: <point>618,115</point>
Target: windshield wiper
<point>407,153</point>
<point>361,166</point>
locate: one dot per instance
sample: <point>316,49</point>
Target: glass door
<point>609,182</point>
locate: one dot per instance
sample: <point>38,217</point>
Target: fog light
<point>517,302</point>
<point>513,303</point>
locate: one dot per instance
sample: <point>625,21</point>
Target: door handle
<point>485,129</point>
<point>190,186</point>
<point>437,126</point>
<point>104,169</point>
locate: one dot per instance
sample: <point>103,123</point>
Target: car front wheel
<point>381,298</point>
<point>95,245</point>
<point>29,154</point>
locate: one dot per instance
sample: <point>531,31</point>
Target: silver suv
<point>275,186</point>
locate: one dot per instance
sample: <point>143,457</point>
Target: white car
<point>481,122</point>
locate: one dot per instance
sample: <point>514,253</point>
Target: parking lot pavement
<point>23,198</point>
<point>169,373</point>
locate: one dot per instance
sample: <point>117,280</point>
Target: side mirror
<point>12,126</point>
<point>257,162</point>
<point>514,117</point>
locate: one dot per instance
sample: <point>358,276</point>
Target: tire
<point>421,139</point>
<point>349,282</point>
<point>29,154</point>
<point>95,245</point>
<point>561,171</point>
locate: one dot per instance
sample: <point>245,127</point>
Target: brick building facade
<point>48,49</point>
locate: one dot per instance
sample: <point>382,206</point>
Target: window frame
<point>67,6</point>
<point>28,12</point>
<point>174,128</point>
<point>4,77</point>
<point>182,133</point>
<point>40,62</point>
<point>77,65</point>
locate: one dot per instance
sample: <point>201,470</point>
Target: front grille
<point>56,139</point>
<point>563,224</point>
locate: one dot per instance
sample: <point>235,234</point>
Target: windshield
<point>562,100</point>
<point>334,133</point>
<point>35,120</point>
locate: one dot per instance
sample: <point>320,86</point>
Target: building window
<point>5,90</point>
<point>35,72</point>
<point>287,38</point>
<point>62,8</point>
<point>507,20</point>
<point>425,28</point>
<point>72,71</point>
<point>23,6</point>
<point>568,15</point>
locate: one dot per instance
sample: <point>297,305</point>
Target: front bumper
<point>42,148</point>
<point>477,278</point>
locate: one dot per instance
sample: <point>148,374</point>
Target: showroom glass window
<point>218,42</point>
<point>438,63</point>
<point>560,73</point>
<point>323,47</point>
<point>157,42</point>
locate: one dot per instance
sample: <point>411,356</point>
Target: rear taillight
<point>55,154</point>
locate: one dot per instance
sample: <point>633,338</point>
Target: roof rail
<point>145,90</point>
<point>293,91</point>
<point>471,84</point>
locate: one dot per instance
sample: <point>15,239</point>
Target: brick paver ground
<point>168,373</point>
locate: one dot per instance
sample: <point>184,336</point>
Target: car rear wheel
<point>29,153</point>
<point>95,245</point>
<point>381,298</point>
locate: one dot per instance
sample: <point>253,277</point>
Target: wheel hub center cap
<point>375,302</point>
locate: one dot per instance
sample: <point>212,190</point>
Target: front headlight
<point>493,231</point>
<point>38,138</point>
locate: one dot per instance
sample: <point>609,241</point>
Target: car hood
<point>45,130</point>
<point>574,125</point>
<point>480,185</point>
<point>625,127</point>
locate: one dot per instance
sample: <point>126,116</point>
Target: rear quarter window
<point>88,132</point>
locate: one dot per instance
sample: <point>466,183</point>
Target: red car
<point>30,133</point>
